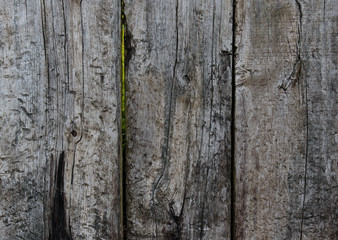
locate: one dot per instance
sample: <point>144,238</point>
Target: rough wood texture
<point>22,121</point>
<point>286,119</point>
<point>60,120</point>
<point>178,119</point>
<point>319,58</point>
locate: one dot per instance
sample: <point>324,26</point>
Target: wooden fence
<point>230,120</point>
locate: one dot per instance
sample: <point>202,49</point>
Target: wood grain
<point>60,119</point>
<point>285,118</point>
<point>178,119</point>
<point>60,84</point>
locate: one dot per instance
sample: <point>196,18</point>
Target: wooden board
<point>60,154</point>
<point>286,120</point>
<point>178,93</point>
<point>319,51</point>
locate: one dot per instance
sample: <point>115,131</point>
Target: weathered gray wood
<point>178,119</point>
<point>319,57</point>
<point>22,121</point>
<point>60,120</point>
<point>286,120</point>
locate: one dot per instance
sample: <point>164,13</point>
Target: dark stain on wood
<point>59,229</point>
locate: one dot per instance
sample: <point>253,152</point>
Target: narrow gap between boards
<point>233,127</point>
<point>123,124</point>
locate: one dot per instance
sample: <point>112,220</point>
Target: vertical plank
<point>22,121</point>
<point>83,52</point>
<point>285,172</point>
<point>178,93</point>
<point>64,94</point>
<point>319,50</point>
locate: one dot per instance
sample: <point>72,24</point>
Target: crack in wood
<point>83,92</point>
<point>212,75</point>
<point>294,76</point>
<point>165,154</point>
<point>306,113</point>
